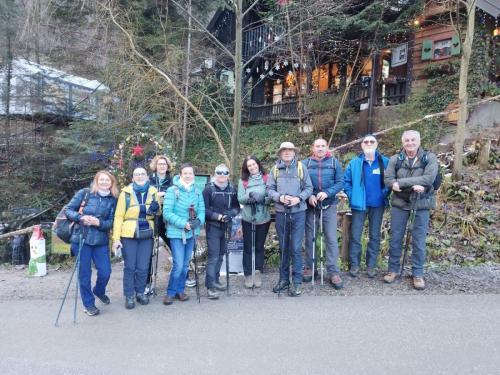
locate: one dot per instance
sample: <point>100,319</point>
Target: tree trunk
<point>186,86</point>
<point>238,82</point>
<point>462,90</point>
<point>484,153</point>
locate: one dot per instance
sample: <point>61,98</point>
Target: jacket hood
<point>281,164</point>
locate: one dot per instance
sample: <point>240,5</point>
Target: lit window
<point>442,49</point>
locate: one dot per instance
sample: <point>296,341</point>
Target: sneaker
<point>390,277</point>
<point>182,297</point>
<point>295,290</point>
<point>371,272</point>
<point>281,286</point>
<point>419,283</point>
<point>91,311</point>
<point>190,283</point>
<point>129,302</point>
<point>212,294</point>
<point>248,282</point>
<point>336,282</point>
<point>143,299</point>
<point>307,275</point>
<point>104,299</point>
<point>354,271</point>
<point>167,300</point>
<point>258,279</point>
<point>220,287</point>
<point>149,290</point>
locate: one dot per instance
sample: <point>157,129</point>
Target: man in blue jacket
<point>327,180</point>
<point>364,186</point>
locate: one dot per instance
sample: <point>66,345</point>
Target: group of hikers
<point>304,193</point>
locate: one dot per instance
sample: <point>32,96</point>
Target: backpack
<point>63,227</point>
<point>423,160</point>
<point>300,172</point>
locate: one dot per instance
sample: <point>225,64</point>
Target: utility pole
<point>186,85</point>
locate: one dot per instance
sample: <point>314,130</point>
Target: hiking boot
<point>167,300</point>
<point>182,297</point>
<point>307,275</point>
<point>354,271</point>
<point>143,299</point>
<point>295,290</point>
<point>336,282</point>
<point>220,287</point>
<point>212,294</point>
<point>248,282</point>
<point>281,286</point>
<point>390,277</point>
<point>371,272</point>
<point>419,283</point>
<point>91,311</point>
<point>258,279</point>
<point>104,299</point>
<point>190,283</point>
<point>129,302</point>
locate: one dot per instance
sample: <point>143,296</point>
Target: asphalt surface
<point>407,334</point>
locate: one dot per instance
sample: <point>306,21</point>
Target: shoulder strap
<point>84,200</point>
<point>245,183</point>
<point>275,172</point>
<point>127,200</point>
<point>300,170</point>
<point>381,168</point>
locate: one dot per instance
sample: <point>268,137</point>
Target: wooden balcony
<point>261,37</point>
<point>286,111</point>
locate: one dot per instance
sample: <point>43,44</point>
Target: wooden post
<point>346,232</point>
<point>484,153</point>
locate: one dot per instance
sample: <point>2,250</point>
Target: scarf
<point>141,189</point>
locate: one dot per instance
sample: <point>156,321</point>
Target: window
<point>442,49</point>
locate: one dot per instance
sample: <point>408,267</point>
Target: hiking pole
<point>192,215</point>
<point>409,230</point>
<point>314,246</point>
<point>75,267</point>
<point>289,237</point>
<point>254,209</point>
<point>227,229</point>
<point>321,256</point>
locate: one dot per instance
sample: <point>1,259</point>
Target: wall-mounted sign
<point>399,55</point>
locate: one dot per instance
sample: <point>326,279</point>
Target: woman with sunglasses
<point>221,206</point>
<point>255,213</point>
<point>133,231</point>
<point>364,186</point>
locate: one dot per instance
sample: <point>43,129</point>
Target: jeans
<point>290,234</point>
<point>399,219</point>
<point>330,233</point>
<point>136,255</point>
<point>260,238</point>
<point>216,243</point>
<point>181,255</point>
<point>375,215</point>
<point>98,254</point>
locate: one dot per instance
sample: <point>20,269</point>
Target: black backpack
<point>423,160</point>
<point>64,227</point>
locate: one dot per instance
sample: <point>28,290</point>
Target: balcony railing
<point>286,110</point>
<point>261,37</point>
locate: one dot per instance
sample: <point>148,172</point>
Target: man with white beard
<point>364,186</point>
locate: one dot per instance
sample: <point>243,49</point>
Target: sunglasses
<point>370,141</point>
<point>222,173</point>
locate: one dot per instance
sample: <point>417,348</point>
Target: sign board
<point>399,55</point>
<point>235,248</point>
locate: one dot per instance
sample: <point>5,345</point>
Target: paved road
<point>430,334</point>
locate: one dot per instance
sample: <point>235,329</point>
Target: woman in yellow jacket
<point>133,234</point>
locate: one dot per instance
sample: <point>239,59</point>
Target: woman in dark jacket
<point>161,166</point>
<point>93,210</point>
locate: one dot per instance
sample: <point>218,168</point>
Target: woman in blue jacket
<point>184,210</point>
<point>93,211</point>
<point>364,186</point>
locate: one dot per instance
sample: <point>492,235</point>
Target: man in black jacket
<point>221,206</point>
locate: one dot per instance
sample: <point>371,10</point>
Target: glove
<point>194,223</point>
<point>226,218</point>
<point>259,198</point>
<point>251,200</point>
<point>153,208</point>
